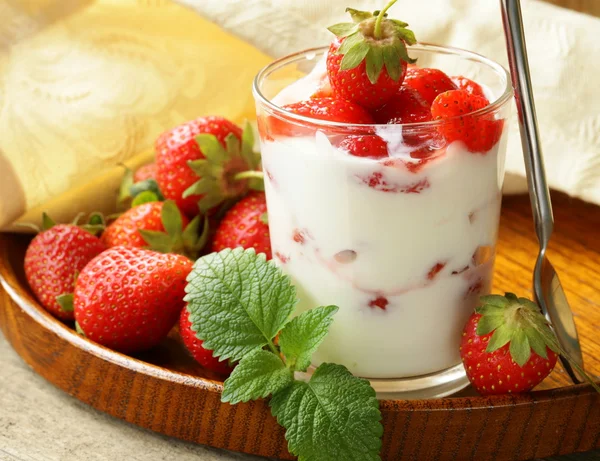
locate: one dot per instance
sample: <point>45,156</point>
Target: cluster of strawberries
<point>372,80</point>
<point>124,289</point>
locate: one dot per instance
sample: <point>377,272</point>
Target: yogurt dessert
<point>386,208</point>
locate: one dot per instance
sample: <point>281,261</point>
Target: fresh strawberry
<point>128,299</point>
<point>479,133</point>
<point>145,172</point>
<point>194,345</point>
<point>369,145</point>
<point>507,346</point>
<point>186,176</point>
<point>245,225</point>
<point>406,106</point>
<point>428,82</point>
<point>464,83</point>
<point>53,261</point>
<point>158,226</point>
<point>334,110</point>
<point>367,60</point>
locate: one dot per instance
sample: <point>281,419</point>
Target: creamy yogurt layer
<point>403,246</point>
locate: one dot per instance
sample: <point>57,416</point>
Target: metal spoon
<point>547,289</point>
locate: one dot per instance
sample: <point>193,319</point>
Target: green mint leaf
<point>238,301</point>
<point>257,375</point>
<point>335,416</point>
<point>301,337</point>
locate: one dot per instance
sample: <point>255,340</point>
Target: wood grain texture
<point>585,6</point>
<point>165,391</point>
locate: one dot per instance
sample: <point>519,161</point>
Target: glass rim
<point>490,108</point>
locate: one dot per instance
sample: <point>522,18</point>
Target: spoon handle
<point>532,149</point>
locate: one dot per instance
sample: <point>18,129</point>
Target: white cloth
<point>564,54</point>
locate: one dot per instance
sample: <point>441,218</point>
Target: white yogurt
<point>397,258</point>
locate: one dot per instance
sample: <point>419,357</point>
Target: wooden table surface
<point>40,423</point>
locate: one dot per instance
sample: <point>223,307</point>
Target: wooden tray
<point>165,391</point>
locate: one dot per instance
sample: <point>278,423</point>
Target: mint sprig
<point>239,304</point>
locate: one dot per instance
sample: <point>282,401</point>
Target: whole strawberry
<point>128,299</point>
<point>367,60</point>
<point>428,83</point>
<point>479,132</point>
<point>158,226</point>
<point>507,346</point>
<point>194,345</point>
<point>145,172</point>
<point>53,261</point>
<point>197,163</point>
<point>245,225</point>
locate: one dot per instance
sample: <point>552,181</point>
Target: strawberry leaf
<point>335,416</point>
<point>146,196</point>
<point>354,56</point>
<point>211,148</point>
<point>343,29</point>
<point>374,64</point>
<point>488,323</point>
<point>502,335</point>
<point>65,301</point>
<point>391,60</point>
<point>349,42</point>
<point>301,337</point>
<point>536,341</point>
<point>157,240</point>
<point>171,219</point>
<point>358,16</point>
<point>238,302</point>
<point>47,222</point>
<point>519,348</point>
<point>494,300</point>
<point>258,375</point>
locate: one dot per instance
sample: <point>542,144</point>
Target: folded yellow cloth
<point>87,85</point>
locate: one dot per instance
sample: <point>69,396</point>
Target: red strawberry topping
<point>406,106</point>
<point>371,146</point>
<point>428,82</point>
<point>479,133</point>
<point>334,110</point>
<point>380,302</point>
<point>471,87</point>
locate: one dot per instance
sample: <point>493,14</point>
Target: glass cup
<point>405,244</point>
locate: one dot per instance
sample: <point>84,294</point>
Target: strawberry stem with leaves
<point>251,174</point>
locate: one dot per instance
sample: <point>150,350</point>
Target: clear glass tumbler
<point>404,245</point>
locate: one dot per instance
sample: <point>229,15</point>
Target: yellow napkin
<point>87,85</point>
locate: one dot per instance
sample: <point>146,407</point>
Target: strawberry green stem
<point>377,31</point>
<point>252,174</point>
